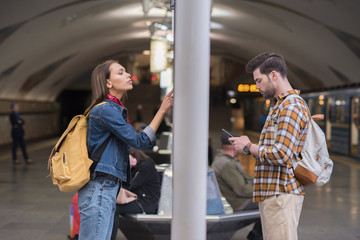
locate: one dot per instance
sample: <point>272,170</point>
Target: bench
<point>221,224</point>
<point>156,227</point>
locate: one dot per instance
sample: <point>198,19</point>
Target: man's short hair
<point>225,138</point>
<point>267,63</point>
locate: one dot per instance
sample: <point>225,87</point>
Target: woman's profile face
<point>133,161</point>
<point>119,80</point>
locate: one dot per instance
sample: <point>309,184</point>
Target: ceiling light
<point>146,52</point>
<point>158,59</point>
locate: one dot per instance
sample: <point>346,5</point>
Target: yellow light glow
<point>321,102</point>
<point>321,97</point>
<point>267,102</point>
<point>246,87</point>
<point>232,100</point>
<point>253,88</point>
<point>243,87</point>
<point>146,52</point>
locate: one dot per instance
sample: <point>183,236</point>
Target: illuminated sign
<point>247,88</point>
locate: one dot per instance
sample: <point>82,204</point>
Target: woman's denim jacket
<point>111,119</point>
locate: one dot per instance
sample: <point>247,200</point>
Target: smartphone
<point>229,134</point>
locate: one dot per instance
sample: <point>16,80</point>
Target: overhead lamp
<point>158,59</point>
<point>146,52</point>
<point>166,78</point>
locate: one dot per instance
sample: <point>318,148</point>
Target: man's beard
<point>269,92</point>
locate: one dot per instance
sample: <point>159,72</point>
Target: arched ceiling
<point>47,45</point>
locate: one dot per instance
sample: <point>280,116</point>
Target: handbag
<point>125,196</point>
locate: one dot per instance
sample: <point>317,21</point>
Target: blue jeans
<point>97,204</point>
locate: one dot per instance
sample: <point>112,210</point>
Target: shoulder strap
<point>87,115</point>
<point>97,155</point>
<point>71,125</point>
<point>289,97</point>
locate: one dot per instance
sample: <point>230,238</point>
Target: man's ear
<point>274,75</point>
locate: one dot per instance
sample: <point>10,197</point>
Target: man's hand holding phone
<point>227,133</point>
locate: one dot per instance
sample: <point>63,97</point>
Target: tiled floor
<point>32,208</point>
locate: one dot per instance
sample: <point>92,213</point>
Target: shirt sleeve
<point>115,123</point>
<point>291,121</point>
<point>150,133</point>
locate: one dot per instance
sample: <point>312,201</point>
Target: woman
<point>145,184</point>
<point>97,199</point>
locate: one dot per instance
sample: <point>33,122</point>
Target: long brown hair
<point>99,84</point>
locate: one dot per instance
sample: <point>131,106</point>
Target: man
<point>279,193</point>
<point>17,134</point>
<point>235,185</point>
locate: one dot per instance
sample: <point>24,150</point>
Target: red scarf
<point>116,100</point>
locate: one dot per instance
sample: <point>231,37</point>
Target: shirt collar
<point>114,99</point>
<point>287,93</point>
<point>282,96</point>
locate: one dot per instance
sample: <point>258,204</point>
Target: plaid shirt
<point>273,171</point>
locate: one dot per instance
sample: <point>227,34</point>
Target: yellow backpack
<point>69,163</point>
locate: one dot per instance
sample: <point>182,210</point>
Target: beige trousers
<point>280,216</point>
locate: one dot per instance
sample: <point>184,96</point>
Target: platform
<point>32,208</point>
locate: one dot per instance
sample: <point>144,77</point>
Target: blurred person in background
<point>17,134</point>
<point>235,185</point>
<point>145,183</point>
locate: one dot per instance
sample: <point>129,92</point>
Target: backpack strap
<point>289,97</point>
<point>70,127</point>
<point>98,153</point>
<point>87,115</point>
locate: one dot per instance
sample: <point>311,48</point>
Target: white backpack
<point>315,165</point>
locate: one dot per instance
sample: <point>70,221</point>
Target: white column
<point>191,114</point>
